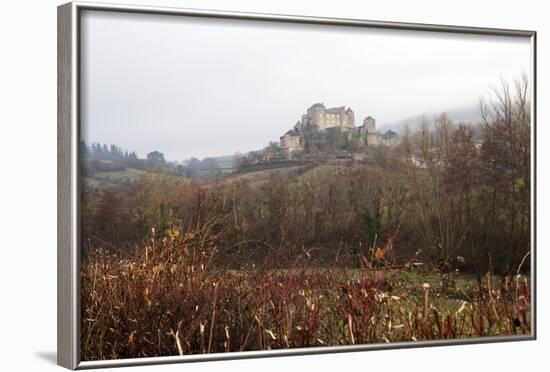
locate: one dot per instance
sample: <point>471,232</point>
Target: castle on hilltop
<point>319,119</point>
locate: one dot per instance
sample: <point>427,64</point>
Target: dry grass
<point>174,296</point>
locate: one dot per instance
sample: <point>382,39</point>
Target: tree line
<point>447,190</point>
<point>97,157</point>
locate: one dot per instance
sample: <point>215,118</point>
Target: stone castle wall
<point>369,124</point>
<point>291,143</point>
<point>320,118</point>
<point>372,139</point>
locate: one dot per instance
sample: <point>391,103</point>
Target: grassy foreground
<point>174,296</point>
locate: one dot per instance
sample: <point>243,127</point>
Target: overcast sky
<point>205,87</point>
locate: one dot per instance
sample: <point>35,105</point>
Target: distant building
<point>319,118</point>
<point>291,142</point>
<point>390,138</point>
<point>372,137</point>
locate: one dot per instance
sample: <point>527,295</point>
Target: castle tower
<point>317,115</point>
<point>370,124</point>
<point>372,137</point>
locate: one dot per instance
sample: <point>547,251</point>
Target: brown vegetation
<point>319,255</point>
<point>171,298</point>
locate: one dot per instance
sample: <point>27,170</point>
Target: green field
<point>115,178</point>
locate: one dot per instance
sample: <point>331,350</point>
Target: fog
<point>208,87</point>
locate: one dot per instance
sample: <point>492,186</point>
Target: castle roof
<point>390,133</point>
<point>292,132</point>
<point>336,110</point>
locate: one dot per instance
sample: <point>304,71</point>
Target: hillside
<point>113,178</point>
<point>466,114</point>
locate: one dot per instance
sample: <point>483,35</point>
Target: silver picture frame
<point>68,180</point>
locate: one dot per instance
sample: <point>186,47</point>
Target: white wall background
<point>28,184</point>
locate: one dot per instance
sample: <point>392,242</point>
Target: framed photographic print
<point>235,185</point>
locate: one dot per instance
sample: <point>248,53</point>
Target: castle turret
<point>372,137</point>
<point>370,124</point>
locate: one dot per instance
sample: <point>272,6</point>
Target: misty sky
<point>205,87</point>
